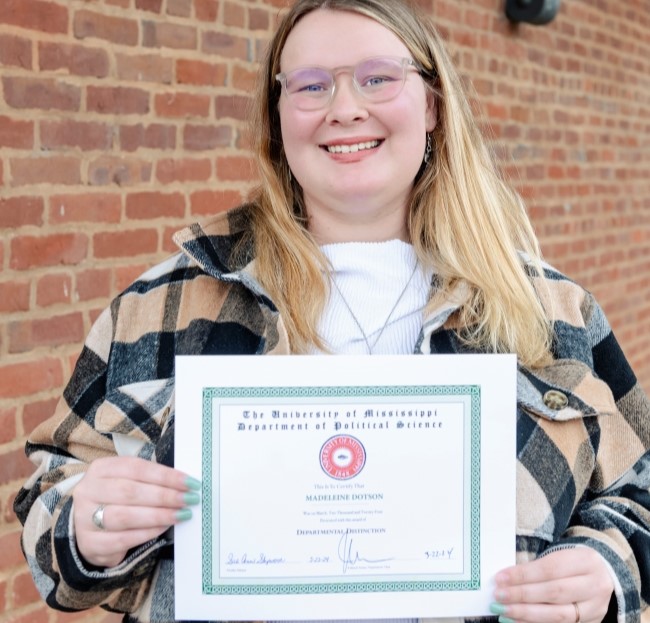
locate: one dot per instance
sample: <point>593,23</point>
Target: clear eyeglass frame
<point>377,79</point>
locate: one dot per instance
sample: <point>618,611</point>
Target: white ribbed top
<point>371,276</point>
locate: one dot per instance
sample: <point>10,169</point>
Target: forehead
<point>338,38</point>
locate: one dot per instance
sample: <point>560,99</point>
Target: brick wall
<point>122,120</point>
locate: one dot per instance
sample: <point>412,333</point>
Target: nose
<point>347,104</point>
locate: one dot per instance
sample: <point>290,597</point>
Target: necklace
<point>390,315</point>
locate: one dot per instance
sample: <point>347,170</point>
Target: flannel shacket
<point>583,468</point>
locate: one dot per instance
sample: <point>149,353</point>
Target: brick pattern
<point>122,120</point>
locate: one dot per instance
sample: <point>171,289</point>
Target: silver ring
<point>575,605</point>
<point>98,517</point>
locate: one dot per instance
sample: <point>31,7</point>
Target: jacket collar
<point>223,247</point>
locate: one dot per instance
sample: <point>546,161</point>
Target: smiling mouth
<point>353,148</point>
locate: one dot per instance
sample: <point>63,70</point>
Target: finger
<point>557,565</point>
<point>117,518</point>
<point>563,591</point>
<point>542,613</point>
<point>127,492</point>
<point>141,470</point>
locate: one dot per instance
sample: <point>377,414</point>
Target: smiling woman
<point>380,226</point>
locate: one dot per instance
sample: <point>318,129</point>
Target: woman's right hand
<point>141,500</point>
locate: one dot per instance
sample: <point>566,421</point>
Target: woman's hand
<point>141,500</point>
<point>545,590</point>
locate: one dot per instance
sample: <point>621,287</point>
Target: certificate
<point>338,487</point>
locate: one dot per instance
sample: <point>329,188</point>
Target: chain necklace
<point>390,315</point>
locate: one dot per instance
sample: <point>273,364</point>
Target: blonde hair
<point>464,220</point>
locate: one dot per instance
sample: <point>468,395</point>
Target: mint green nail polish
<point>496,608</point>
<point>192,483</point>
<point>191,498</point>
<point>505,620</point>
<point>184,514</point>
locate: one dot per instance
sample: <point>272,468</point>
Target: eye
<point>376,81</point>
<point>311,88</point>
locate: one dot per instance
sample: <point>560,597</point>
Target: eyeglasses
<point>377,79</point>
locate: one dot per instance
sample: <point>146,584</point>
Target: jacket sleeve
<point>62,449</point>
<point>613,515</point>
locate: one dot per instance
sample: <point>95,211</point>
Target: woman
<point>375,183</point>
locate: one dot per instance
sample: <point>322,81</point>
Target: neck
<point>356,224</point>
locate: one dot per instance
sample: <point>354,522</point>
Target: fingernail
<point>496,608</point>
<point>191,498</point>
<point>505,620</point>
<point>183,514</point>
<point>192,483</point>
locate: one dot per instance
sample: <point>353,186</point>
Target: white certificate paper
<point>345,487</point>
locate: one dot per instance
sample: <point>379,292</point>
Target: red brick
<point>185,170</point>
<point>35,615</point>
<point>117,100</point>
<point>25,379</point>
<point>53,289</point>
<point>125,243</point>
<point>16,133</point>
<point>234,15</point>
<point>43,15</point>
<point>200,73</point>
<point>243,78</point>
<point>126,275</point>
<point>154,136</point>
<point>35,413</point>
<point>151,205</point>
<point>83,134</point>
<point>234,168</point>
<point>145,68</point>
<point>16,52</point>
<point>213,42</point>
<point>27,335</point>
<point>12,554</point>
<point>20,211</point>
<point>149,5</point>
<point>206,10</point>
<point>86,207</point>
<point>206,138</point>
<point>233,106</point>
<point>55,249</point>
<point>93,284</point>
<point>258,19</point>
<point>7,434</point>
<point>175,104</point>
<point>168,243</point>
<point>179,8</point>
<point>76,59</point>
<point>101,26</point>
<point>168,35</point>
<point>209,202</point>
<point>23,590</point>
<point>118,170</point>
<point>45,170</point>
<point>14,296</point>
<point>41,93</point>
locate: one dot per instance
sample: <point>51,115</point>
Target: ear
<point>431,115</point>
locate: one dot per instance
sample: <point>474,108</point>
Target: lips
<point>351,148</point>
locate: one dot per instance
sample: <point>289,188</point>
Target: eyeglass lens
<point>377,79</point>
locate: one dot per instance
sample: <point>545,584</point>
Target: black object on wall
<point>537,12</point>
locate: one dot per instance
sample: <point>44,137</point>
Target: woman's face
<point>357,193</point>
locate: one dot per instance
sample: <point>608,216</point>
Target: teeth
<point>351,149</point>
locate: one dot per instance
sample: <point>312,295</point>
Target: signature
<point>261,559</point>
<point>349,556</point>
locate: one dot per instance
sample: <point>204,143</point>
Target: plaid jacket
<point>583,425</point>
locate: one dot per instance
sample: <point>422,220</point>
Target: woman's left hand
<point>566,586</point>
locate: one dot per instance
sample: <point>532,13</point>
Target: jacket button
<point>555,400</point>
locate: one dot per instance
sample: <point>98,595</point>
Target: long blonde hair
<point>464,220</point>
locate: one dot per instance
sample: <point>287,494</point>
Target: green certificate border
<point>473,392</point>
